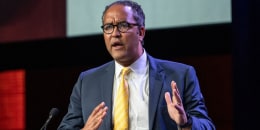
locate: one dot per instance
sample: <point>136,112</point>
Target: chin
<point>119,57</point>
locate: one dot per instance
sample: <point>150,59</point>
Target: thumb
<point>168,98</point>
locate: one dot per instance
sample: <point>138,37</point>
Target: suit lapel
<point>107,91</point>
<point>155,87</point>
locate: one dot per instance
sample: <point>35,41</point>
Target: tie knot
<point>125,71</point>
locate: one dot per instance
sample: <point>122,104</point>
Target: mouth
<point>117,44</point>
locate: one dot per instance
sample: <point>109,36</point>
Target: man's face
<point>125,47</point>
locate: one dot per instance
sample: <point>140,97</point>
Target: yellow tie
<point>121,104</point>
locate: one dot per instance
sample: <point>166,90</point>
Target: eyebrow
<point>117,22</point>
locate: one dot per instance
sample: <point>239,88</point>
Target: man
<point>163,95</point>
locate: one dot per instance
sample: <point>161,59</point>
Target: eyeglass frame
<point>129,25</point>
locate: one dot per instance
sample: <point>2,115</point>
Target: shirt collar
<point>137,67</point>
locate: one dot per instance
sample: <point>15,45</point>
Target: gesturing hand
<point>175,106</point>
<point>96,117</point>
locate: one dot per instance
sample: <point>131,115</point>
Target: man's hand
<point>175,106</point>
<point>96,117</point>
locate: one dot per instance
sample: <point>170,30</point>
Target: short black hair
<point>138,12</point>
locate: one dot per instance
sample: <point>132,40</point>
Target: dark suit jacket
<point>96,85</point>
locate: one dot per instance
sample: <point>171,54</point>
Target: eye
<point>108,26</point>
<point>124,25</point>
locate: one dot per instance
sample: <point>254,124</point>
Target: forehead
<point>118,13</point>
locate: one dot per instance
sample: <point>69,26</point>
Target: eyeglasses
<point>121,27</point>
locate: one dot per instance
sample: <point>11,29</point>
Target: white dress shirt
<point>138,82</point>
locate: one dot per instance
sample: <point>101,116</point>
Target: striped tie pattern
<point>121,103</point>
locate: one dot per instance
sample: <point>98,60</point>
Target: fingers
<point>175,94</point>
<point>174,104</point>
<point>99,112</point>
<point>99,109</point>
<point>175,99</point>
<point>168,98</point>
<point>96,117</point>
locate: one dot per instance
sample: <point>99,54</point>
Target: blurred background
<point>45,44</point>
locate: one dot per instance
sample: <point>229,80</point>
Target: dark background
<point>225,56</point>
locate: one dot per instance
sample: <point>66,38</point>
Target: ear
<point>141,32</point>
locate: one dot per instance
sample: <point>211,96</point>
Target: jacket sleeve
<point>194,103</point>
<point>73,119</point>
